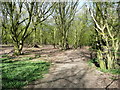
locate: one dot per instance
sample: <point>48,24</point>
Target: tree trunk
<point>54,45</point>
<point>66,44</point>
<point>18,48</point>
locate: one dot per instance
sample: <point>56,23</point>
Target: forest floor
<point>69,69</point>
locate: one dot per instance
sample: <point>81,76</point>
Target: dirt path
<point>70,70</point>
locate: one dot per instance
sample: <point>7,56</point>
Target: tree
<point>18,22</point>
<point>104,17</point>
<point>42,11</point>
<point>64,15</point>
<point>22,19</point>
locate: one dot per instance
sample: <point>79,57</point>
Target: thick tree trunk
<point>65,44</point>
<point>18,48</point>
<point>54,45</point>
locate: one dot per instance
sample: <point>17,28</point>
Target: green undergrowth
<point>112,71</point>
<point>93,62</point>
<point>18,73</point>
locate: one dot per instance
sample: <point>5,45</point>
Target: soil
<point>69,69</point>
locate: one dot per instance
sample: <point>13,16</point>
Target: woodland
<point>71,44</point>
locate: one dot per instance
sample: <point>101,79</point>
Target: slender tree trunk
<point>41,36</point>
<point>54,36</point>
<point>66,44</point>
<point>76,40</point>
